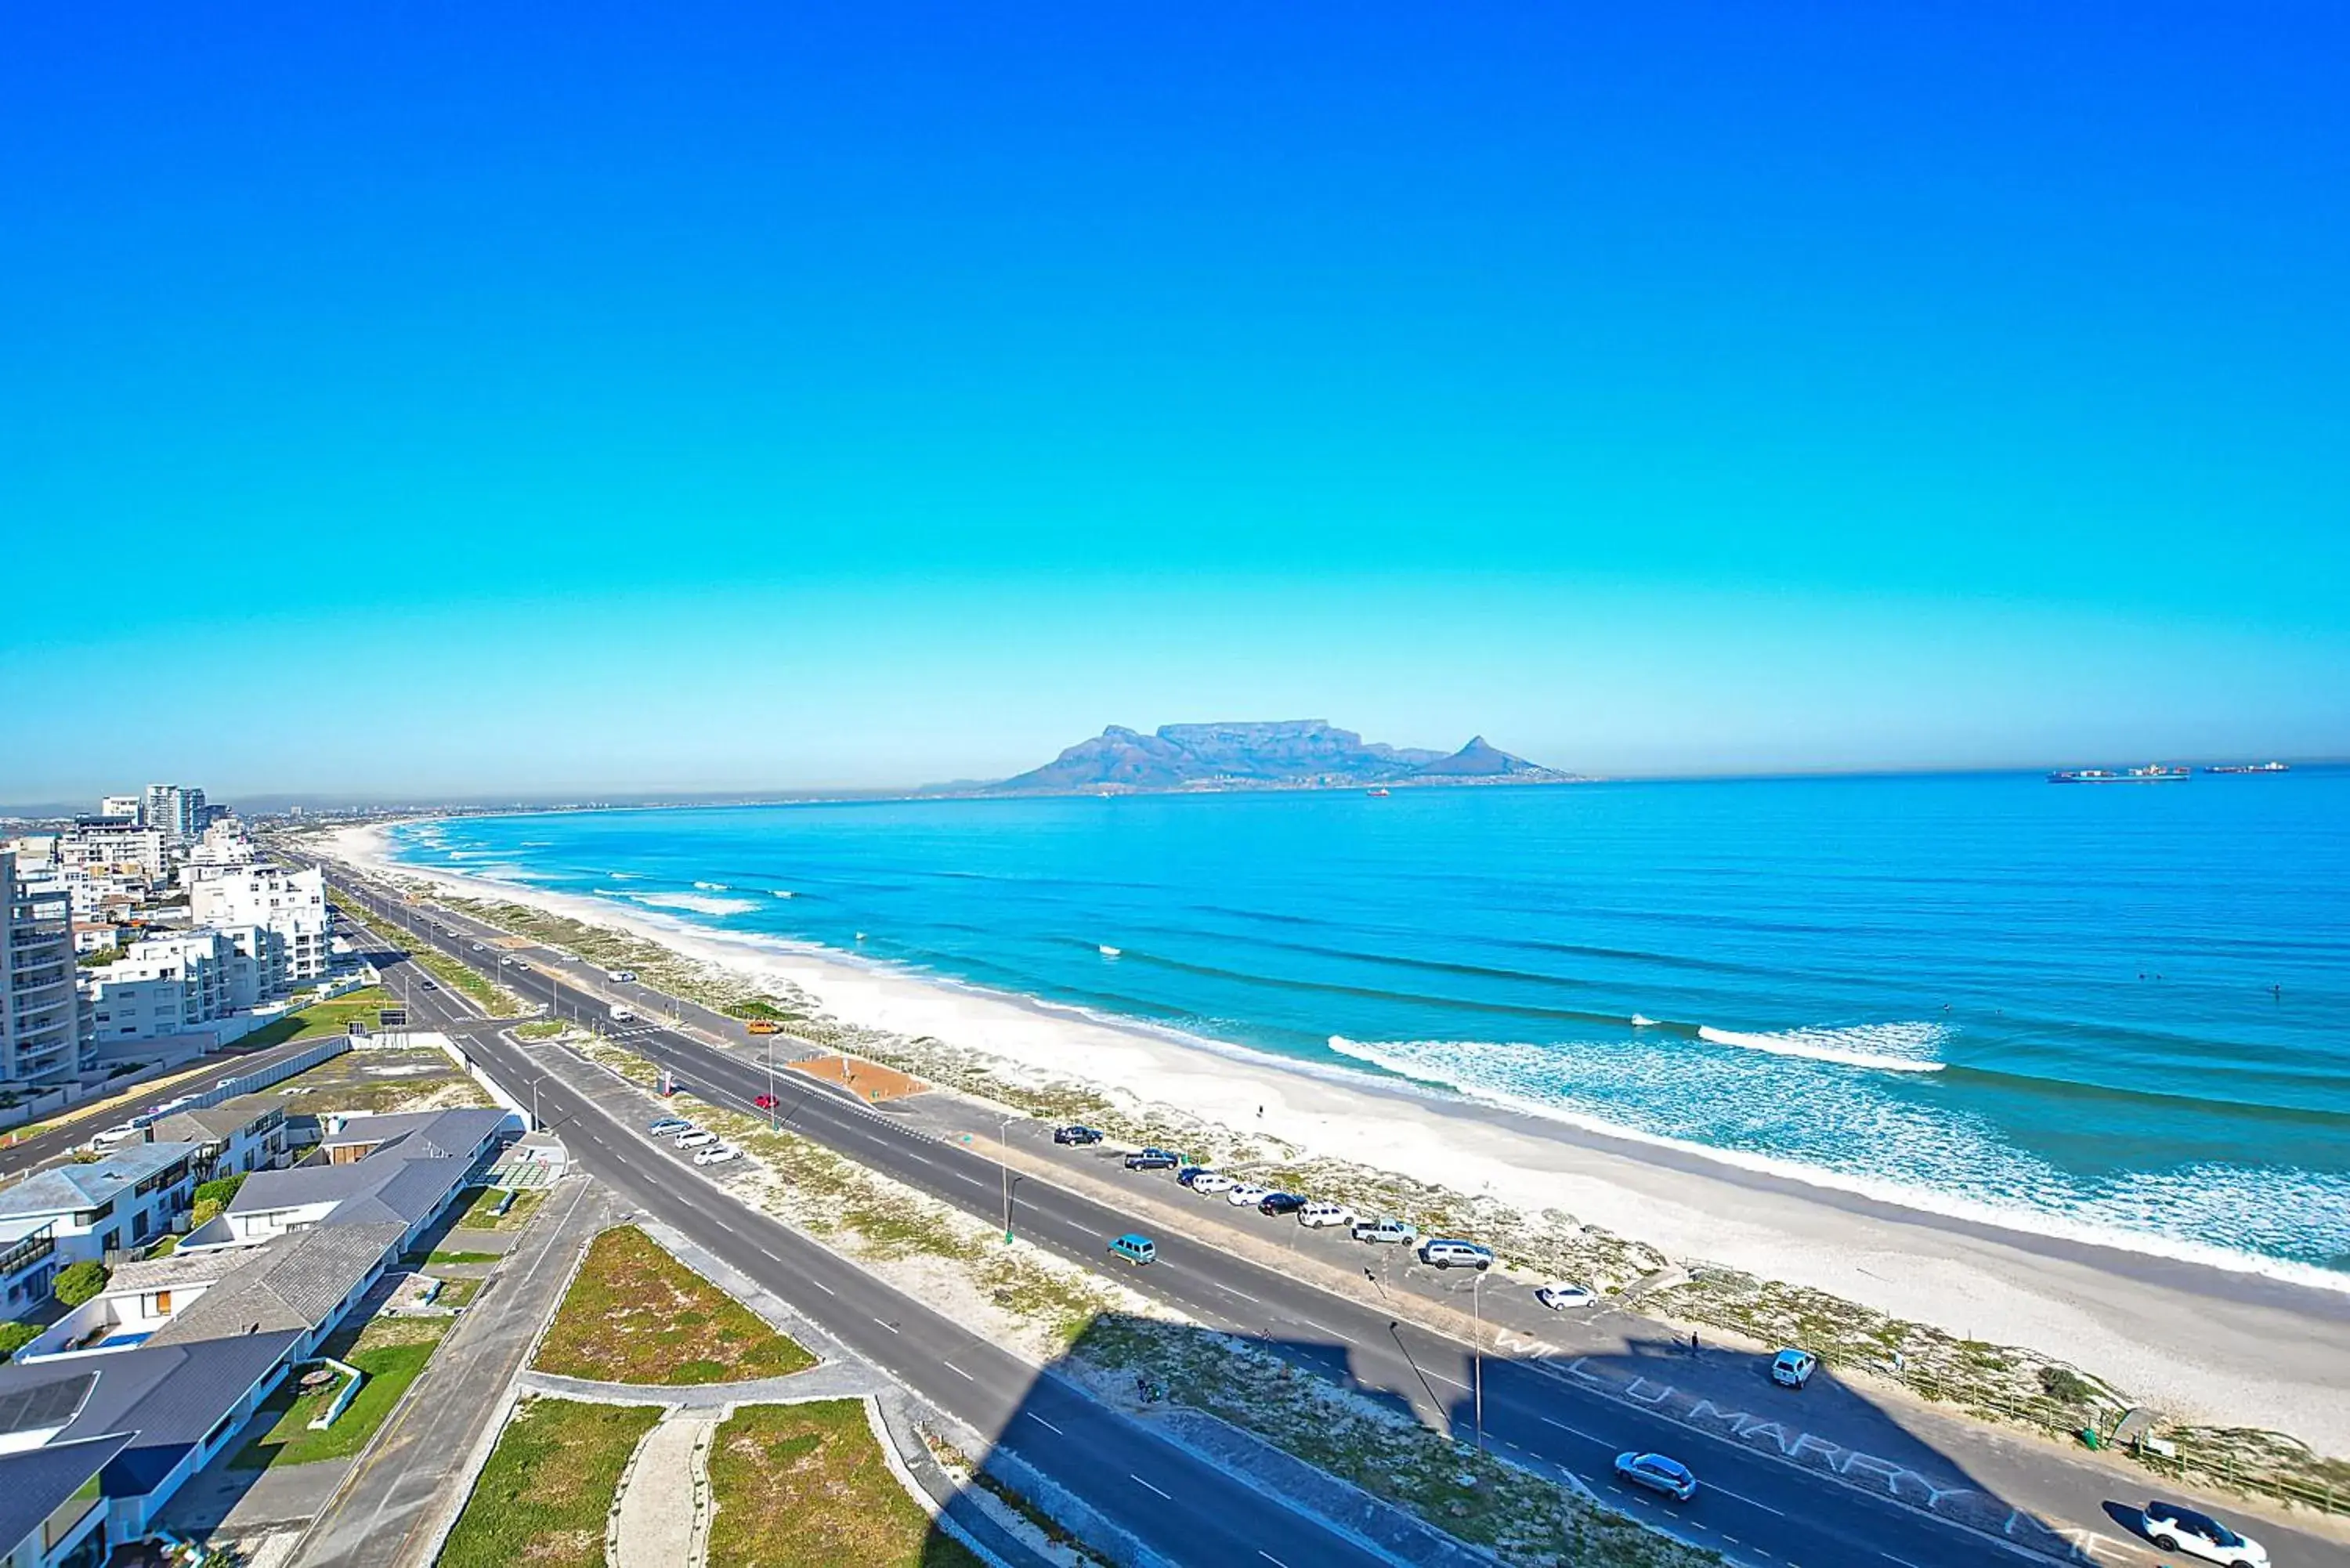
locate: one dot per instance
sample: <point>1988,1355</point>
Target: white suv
<point>1449,1254</point>
<point>1315,1216</point>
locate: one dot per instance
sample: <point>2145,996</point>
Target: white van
<point>1315,1216</point>
<point>623,1014</point>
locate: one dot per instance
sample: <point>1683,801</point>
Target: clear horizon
<point>429,407</point>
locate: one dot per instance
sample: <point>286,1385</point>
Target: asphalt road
<point>1752,1504</point>
<point>1186,1510</point>
<point>76,1129</point>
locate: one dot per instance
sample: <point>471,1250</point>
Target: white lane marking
<point>1047,1425</point>
<point>1277,1562</point>
<point>1230,1291</point>
<point>1576,1430</point>
<point>958,1371</point>
<point>1750,1502</point>
<point>1146,1485</point>
<point>1454,1381</point>
<point>890,1326</point>
<point>820,1285</point>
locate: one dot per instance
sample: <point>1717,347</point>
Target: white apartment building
<point>123,805</point>
<point>190,982</point>
<point>40,1016</point>
<point>291,903</point>
<point>99,845</point>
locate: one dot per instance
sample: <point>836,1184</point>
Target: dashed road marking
<point>958,1371</point>
<point>1148,1487</point>
<point>1047,1425</point>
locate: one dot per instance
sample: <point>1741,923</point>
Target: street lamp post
<point>771,1083</point>
<point>1003,1166</point>
<point>1477,1305</point>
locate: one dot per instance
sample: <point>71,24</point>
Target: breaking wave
<point>1885,1047</point>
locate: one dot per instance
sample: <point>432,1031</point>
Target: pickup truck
<point>1394,1230</point>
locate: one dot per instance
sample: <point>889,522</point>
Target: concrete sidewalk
<point>413,1479</point>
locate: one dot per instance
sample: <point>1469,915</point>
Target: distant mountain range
<point>1295,754</point>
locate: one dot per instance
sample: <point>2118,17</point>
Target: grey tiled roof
<point>297,1283</point>
<point>168,1395</point>
<point>405,1178</point>
<point>68,1186</point>
<point>35,1482</point>
<point>213,1123</point>
<point>444,1135</point>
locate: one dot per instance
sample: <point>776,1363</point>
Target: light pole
<point>771,1083</point>
<point>1003,1166</point>
<point>535,1123</point>
<point>1477,1305</point>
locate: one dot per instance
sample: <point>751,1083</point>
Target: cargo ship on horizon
<point>2151,773</point>
<point>2250,768</point>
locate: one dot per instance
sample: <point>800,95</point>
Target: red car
<point>766,1102</point>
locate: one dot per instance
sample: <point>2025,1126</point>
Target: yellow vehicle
<point>764,1026</point>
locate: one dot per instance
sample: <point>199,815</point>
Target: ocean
<point>2114,1011</point>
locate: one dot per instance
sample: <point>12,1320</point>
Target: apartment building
<point>99,844</point>
<point>129,808</point>
<point>291,903</point>
<point>177,811</point>
<point>40,1015</point>
<point>203,981</point>
<point>120,1200</point>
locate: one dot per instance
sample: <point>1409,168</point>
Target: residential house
<point>52,1503</point>
<point>179,1406</point>
<point>28,1265</point>
<point>411,1173</point>
<point>236,1137</point>
<point>124,1199</point>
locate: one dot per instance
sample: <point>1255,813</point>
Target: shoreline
<point>2231,1344</point>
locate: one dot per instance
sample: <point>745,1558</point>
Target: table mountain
<point>1294,753</point>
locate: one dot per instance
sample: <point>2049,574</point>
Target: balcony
<point>25,1253</point>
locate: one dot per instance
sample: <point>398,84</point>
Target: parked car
<point>1152,1159</point>
<point>1077,1135</point>
<point>1794,1368</point>
<point>1244,1195</point>
<point>510,961</point>
<point>1279,1203</point>
<point>122,1132</point>
<point>1135,1250</point>
<point>1315,1216</point>
<point>1394,1230</point>
<point>1190,1174</point>
<point>1564,1297</point>
<point>2177,1529</point>
<point>717,1154</point>
<point>696,1139</point>
<point>1658,1473</point>
<point>766,1102</point>
<point>1447,1253</point>
<point>669,1124</point>
<point>1212,1181</point>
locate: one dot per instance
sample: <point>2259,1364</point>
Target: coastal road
<point>63,1134</point>
<point>1752,1500</point>
<point>1186,1510</point>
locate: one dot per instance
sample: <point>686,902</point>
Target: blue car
<point>1656,1474</point>
<point>1135,1250</point>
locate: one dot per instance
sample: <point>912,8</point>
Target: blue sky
<point>611,398</point>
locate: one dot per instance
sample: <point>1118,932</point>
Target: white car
<point>717,1154</point>
<point>1564,1297</point>
<point>624,1014</point>
<point>696,1139</point>
<point>510,961</point>
<point>619,976</point>
<point>481,947</point>
<point>1245,1196</point>
<point>1212,1181</point>
<point>1315,1216</point>
<point>2182,1530</point>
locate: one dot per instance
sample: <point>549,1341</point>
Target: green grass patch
<point>804,1486</point>
<point>321,1018</point>
<point>389,1369</point>
<point>636,1314</point>
<point>547,1488</point>
<point>540,1029</point>
<point>478,1215</point>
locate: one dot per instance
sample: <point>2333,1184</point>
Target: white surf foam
<point>1108,951</point>
<point>1642,1021</point>
<point>713,886</point>
<point>1884,1047</point>
<point>698,903</point>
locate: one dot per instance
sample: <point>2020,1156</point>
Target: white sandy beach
<point>2203,1342</point>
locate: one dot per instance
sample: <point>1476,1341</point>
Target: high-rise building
<point>176,810</point>
<point>291,903</point>
<point>121,806</point>
<point>40,1016</point>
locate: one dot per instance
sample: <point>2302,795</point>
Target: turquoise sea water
<point>2123,1010</point>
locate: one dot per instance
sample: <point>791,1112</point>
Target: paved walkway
<point>832,1380</point>
<point>664,1515</point>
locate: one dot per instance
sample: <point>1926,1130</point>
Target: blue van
<point>1135,1250</point>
